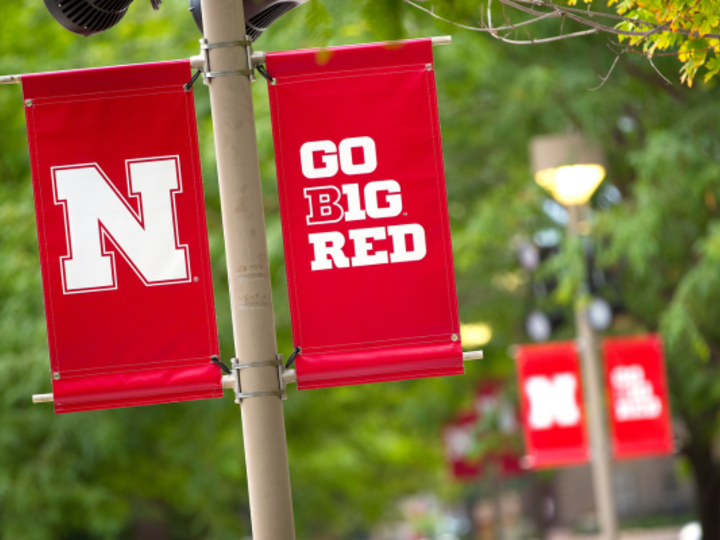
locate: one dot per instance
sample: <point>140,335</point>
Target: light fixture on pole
<point>567,166</point>
<point>571,169</point>
<point>89,17</point>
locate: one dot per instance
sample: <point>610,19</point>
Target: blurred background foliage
<point>177,471</point>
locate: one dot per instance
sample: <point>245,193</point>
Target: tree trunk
<point>707,488</point>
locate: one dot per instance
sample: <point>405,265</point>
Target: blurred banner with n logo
<point>123,238</point>
<point>551,400</point>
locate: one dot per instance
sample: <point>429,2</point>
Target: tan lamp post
<point>571,169</point>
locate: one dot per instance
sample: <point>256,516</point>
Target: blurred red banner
<point>122,233</point>
<point>551,400</point>
<point>493,418</point>
<point>364,213</point>
<point>640,418</point>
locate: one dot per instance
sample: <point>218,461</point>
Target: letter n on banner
<point>123,238</point>
<point>640,417</point>
<point>364,211</point>
<point>551,400</point>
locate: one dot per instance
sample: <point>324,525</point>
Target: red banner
<point>122,235</point>
<point>364,208</point>
<point>640,417</point>
<point>551,399</point>
<point>459,440</point>
<point>484,436</point>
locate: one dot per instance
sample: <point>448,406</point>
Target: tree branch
<point>483,29</point>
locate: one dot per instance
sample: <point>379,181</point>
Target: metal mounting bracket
<point>237,366</point>
<point>209,74</point>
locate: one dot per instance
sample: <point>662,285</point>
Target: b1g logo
<point>330,204</point>
<point>97,215</point>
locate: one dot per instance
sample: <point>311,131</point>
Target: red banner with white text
<point>640,417</point>
<point>364,208</point>
<point>122,234</point>
<point>551,400</point>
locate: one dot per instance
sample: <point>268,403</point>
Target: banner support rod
<point>288,376</point>
<point>198,61</point>
<point>441,40</point>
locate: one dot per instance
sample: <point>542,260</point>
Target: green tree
<point>651,28</point>
<point>355,450</point>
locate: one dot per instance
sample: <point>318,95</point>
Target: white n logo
<point>552,401</point>
<point>95,213</point>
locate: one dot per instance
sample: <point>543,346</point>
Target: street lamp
<point>89,17</point>
<point>571,169</point>
<point>567,166</point>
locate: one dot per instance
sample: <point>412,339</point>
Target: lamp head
<point>259,14</point>
<point>568,166</point>
<point>88,17</point>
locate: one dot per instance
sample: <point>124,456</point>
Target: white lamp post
<point>571,169</point>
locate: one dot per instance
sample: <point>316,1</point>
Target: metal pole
<point>248,273</point>
<point>599,448</point>
<point>496,493</point>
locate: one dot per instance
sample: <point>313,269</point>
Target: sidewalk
<point>669,533</point>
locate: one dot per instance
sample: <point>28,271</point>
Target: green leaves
<point>686,23</point>
<point>318,21</point>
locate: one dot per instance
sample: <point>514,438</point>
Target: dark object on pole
<point>259,14</point>
<point>88,17</point>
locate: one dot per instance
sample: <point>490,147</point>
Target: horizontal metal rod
<point>197,62</point>
<point>228,381</point>
<point>441,40</point>
<point>289,376</point>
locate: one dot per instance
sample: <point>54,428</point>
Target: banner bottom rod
<point>228,381</point>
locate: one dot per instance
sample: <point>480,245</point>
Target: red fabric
<point>378,322</point>
<point>458,438</point>
<point>464,433</point>
<point>561,441</point>
<point>133,344</point>
<point>640,418</point>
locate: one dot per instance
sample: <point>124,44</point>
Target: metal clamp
<point>223,44</point>
<point>237,366</point>
<point>233,73</point>
<point>208,74</point>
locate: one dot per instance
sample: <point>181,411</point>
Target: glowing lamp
<point>475,334</point>
<point>568,166</point>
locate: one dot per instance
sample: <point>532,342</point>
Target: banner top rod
<point>441,40</point>
<point>197,62</point>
